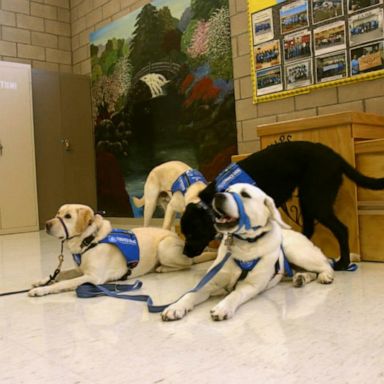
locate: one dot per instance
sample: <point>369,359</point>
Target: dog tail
<point>360,179</point>
<point>139,202</point>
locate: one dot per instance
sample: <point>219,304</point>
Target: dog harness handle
<point>89,290</point>
<point>233,174</point>
<point>124,240</point>
<point>189,177</point>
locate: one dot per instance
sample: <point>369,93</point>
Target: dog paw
<point>325,277</point>
<point>221,312</point>
<point>340,265</point>
<point>298,280</point>
<point>174,312</point>
<point>41,291</point>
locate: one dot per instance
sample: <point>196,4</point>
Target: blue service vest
<point>233,174</point>
<point>189,177</point>
<point>123,239</point>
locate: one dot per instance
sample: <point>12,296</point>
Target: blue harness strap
<point>243,217</point>
<point>233,174</point>
<point>123,239</point>
<point>287,267</point>
<point>90,290</point>
<point>77,258</point>
<point>247,265</point>
<point>189,177</point>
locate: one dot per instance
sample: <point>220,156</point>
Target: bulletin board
<point>301,45</point>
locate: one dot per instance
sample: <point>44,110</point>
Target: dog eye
<point>245,194</point>
<point>67,216</point>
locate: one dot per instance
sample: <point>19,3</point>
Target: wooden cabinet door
<point>49,149</point>
<point>78,140</point>
<point>64,141</point>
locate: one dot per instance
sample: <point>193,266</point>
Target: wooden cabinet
<point>370,161</point>
<point>343,132</point>
<point>18,197</point>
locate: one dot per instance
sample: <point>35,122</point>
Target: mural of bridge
<point>166,68</point>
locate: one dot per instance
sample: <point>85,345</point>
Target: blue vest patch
<point>188,178</point>
<point>127,243</point>
<point>233,174</point>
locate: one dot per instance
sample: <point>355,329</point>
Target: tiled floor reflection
<point>318,334</point>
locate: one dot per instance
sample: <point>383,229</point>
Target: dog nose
<point>219,200</point>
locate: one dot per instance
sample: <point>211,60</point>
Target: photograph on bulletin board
<point>301,45</point>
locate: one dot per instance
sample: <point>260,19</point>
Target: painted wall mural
<point>162,89</point>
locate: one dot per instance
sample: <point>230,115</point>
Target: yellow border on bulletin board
<point>259,5</point>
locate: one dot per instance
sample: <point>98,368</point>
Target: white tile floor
<point>318,334</point>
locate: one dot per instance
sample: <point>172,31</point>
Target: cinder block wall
<point>54,34</point>
<point>37,32</point>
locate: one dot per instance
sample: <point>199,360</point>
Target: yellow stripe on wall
<point>258,5</point>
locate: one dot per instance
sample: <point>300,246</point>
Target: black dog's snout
<point>219,201</point>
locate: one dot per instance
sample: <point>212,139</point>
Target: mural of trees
<point>191,116</point>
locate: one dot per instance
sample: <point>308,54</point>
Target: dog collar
<point>251,239</point>
<point>233,174</point>
<point>64,226</point>
<point>65,229</point>
<point>189,177</point>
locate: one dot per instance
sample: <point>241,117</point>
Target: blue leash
<point>88,290</point>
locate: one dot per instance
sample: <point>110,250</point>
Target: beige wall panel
<point>18,196</point>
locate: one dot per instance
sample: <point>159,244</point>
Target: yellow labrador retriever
<point>103,254</point>
<point>173,185</point>
<point>256,240</point>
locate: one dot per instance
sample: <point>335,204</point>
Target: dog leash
<point>51,277</point>
<point>89,290</point>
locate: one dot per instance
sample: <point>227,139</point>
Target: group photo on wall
<point>162,89</point>
<point>321,41</point>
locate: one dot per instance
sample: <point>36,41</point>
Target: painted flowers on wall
<point>162,89</point>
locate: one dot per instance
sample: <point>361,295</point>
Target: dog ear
<point>98,219</point>
<point>275,214</point>
<point>85,219</point>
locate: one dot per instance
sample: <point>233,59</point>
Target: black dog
<point>315,169</point>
